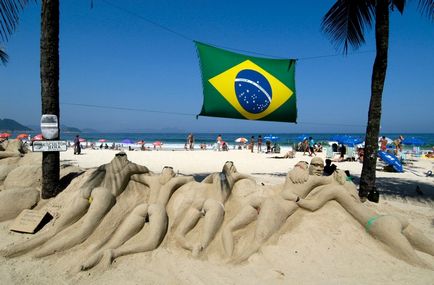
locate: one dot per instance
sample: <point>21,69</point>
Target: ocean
<point>177,140</point>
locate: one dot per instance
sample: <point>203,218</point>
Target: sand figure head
<point>316,166</point>
<point>166,174</point>
<point>229,168</point>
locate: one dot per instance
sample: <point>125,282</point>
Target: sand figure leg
<point>155,235</point>
<point>419,240</point>
<point>273,215</point>
<point>214,213</point>
<point>72,214</point>
<point>388,230</point>
<point>187,224</point>
<point>102,202</point>
<point>129,227</point>
<point>247,215</point>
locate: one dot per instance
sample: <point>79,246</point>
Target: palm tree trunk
<point>367,179</point>
<point>50,89</point>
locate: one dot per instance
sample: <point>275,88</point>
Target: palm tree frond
<point>3,56</point>
<point>9,12</point>
<point>346,22</point>
<point>426,7</point>
<point>398,4</point>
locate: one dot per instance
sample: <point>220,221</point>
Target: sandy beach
<point>327,246</point>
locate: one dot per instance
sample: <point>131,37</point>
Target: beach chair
<point>329,152</point>
<point>351,154</point>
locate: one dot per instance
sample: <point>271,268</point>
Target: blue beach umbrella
<point>271,138</point>
<point>413,141</point>
<point>390,159</point>
<point>346,139</point>
<point>127,141</point>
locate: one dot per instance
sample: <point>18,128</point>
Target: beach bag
<point>374,195</point>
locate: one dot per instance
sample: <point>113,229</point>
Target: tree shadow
<point>406,189</point>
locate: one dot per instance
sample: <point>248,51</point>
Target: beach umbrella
<point>102,140</point>
<point>347,140</point>
<point>241,140</point>
<point>4,135</point>
<point>157,143</point>
<point>271,138</point>
<point>81,140</point>
<point>22,136</point>
<point>390,159</point>
<point>413,141</point>
<point>127,141</point>
<point>38,137</point>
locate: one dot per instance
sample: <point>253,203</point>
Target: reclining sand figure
<point>15,148</point>
<point>396,233</point>
<point>161,189</point>
<point>209,198</point>
<point>272,212</point>
<point>95,198</point>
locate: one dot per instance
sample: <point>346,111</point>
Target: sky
<point>133,56</point>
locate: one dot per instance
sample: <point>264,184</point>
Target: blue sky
<point>113,57</point>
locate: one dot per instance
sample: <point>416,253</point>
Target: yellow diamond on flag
<point>251,90</point>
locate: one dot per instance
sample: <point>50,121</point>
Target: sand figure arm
<point>314,204</point>
<point>137,169</point>
<point>143,179</point>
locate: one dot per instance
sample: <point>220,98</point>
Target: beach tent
<point>390,159</point>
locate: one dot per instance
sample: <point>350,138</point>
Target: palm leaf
<point>9,12</point>
<point>3,56</point>
<point>398,4</point>
<point>426,7</point>
<point>346,21</point>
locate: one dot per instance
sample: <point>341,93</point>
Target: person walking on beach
<point>190,141</point>
<point>259,143</point>
<point>398,144</point>
<point>252,143</point>
<point>219,142</point>
<point>77,146</point>
<point>311,146</point>
<point>383,143</point>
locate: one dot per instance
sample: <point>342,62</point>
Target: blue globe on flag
<point>253,91</point>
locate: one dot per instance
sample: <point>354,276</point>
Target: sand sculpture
<point>14,148</point>
<point>97,195</point>
<point>396,233</point>
<point>210,196</point>
<point>161,189</point>
<point>95,198</point>
<point>272,212</point>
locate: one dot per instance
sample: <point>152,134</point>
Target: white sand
<point>324,247</point>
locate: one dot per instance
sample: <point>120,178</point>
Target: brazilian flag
<point>245,87</point>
